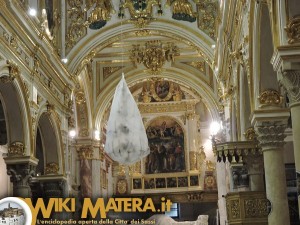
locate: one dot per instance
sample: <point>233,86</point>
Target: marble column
<point>255,171</point>
<point>270,127</point>
<point>291,81</point>
<point>21,170</point>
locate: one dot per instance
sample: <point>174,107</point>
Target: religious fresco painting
<point>166,142</point>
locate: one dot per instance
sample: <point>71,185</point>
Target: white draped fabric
<point>126,139</point>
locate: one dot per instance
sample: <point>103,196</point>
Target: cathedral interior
<point>216,82</point>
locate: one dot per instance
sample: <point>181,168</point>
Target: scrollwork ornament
<point>293,30</point>
<point>270,98</point>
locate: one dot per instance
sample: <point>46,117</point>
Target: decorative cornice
<point>293,30</point>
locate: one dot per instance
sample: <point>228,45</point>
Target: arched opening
<point>47,146</point>
<point>4,178</point>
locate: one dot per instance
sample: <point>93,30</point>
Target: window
<point>174,212</point>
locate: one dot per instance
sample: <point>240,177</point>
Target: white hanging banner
<point>126,139</point>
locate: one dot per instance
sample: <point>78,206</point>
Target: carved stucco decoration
<point>76,28</point>
<point>271,134</point>
<point>135,169</point>
<point>85,152</point>
<point>14,72</point>
<point>193,160</point>
<point>182,10</point>
<point>293,30</point>
<point>199,65</point>
<point>233,208</point>
<point>291,81</point>
<point>270,98</point>
<point>121,186</point>
<point>107,71</point>
<point>154,55</point>
<point>51,168</point>
<point>16,149</point>
<point>207,17</point>
<point>140,11</point>
<point>250,134</point>
<point>255,208</point>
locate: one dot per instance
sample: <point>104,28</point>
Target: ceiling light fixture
<point>32,12</point>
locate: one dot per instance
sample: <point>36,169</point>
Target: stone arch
<point>93,43</point>
<point>48,144</point>
<point>177,76</point>
<point>16,106</point>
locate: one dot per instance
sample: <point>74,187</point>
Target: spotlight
<point>64,60</point>
<point>72,133</point>
<point>97,135</point>
<point>32,12</point>
<point>214,128</point>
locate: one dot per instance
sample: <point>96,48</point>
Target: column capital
<point>271,135</point>
<point>270,127</point>
<point>290,79</point>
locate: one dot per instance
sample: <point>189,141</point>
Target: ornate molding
<point>154,55</point>
<point>293,30</point>
<point>250,134</point>
<point>246,207</point>
<point>51,168</point>
<point>193,160</point>
<point>16,149</point>
<point>14,71</point>
<point>85,152</point>
<point>270,98</point>
<point>140,11</point>
<point>235,152</point>
<point>270,134</point>
<point>291,81</point>
<point>207,16</point>
<point>175,106</point>
<point>256,208</point>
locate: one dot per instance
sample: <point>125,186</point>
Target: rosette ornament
<point>126,139</point>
